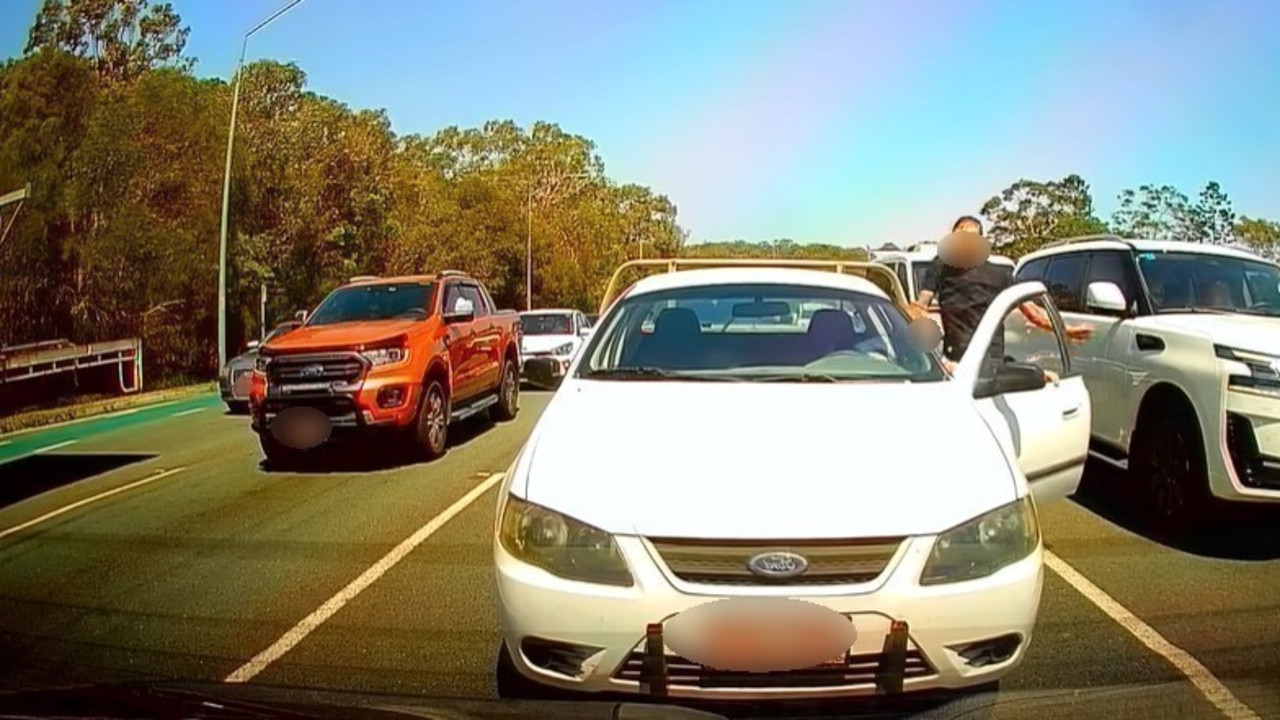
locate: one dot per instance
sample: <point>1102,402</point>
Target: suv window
<point>1063,278</point>
<point>1033,270</point>
<point>1114,266</point>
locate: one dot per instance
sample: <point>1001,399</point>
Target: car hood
<point>765,460</point>
<point>544,343</point>
<point>1246,332</point>
<point>341,335</point>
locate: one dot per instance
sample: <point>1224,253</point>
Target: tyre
<point>1168,470</point>
<point>508,404</point>
<point>238,407</point>
<point>278,455</point>
<point>511,684</point>
<point>431,426</point>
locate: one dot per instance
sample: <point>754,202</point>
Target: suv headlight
<point>386,356</point>
<point>564,349</point>
<point>561,545</point>
<point>982,546</point>
<point>1260,369</point>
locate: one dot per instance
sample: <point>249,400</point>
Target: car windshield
<point>764,332</point>
<point>1189,281</point>
<point>546,324</point>
<point>383,301</point>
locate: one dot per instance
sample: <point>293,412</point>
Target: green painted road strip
<point>66,435</point>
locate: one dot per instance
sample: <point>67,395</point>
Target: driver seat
<point>830,331</point>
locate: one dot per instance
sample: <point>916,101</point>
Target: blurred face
<point>964,249</point>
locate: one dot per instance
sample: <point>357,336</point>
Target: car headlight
<point>561,545</point>
<point>984,545</point>
<point>386,356</point>
<point>261,363</point>
<point>1259,371</point>
<point>564,349</point>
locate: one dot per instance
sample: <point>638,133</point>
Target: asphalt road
<point>200,561</point>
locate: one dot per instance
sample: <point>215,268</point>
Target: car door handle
<point>1070,412</point>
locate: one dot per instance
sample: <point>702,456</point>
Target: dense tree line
<point>123,148</point>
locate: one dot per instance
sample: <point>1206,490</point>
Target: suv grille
<point>300,369</point>
<point>722,562</point>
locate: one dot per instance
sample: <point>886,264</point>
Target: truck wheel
<point>1168,470</point>
<point>431,427</point>
<point>279,456</point>
<point>508,394</point>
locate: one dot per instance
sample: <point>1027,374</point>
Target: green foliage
<point>1029,213</point>
<point>1162,211</point>
<point>788,249</point>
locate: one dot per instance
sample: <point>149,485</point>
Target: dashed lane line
<point>89,500</point>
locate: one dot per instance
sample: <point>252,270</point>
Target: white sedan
<point>719,443</point>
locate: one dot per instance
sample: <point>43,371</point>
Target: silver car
<point>235,379</point>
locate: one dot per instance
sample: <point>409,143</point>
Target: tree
<point>1029,213</point>
<point>1162,211</point>
<point>1262,236</point>
<point>123,38</point>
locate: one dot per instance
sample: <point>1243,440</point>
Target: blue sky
<point>848,121</point>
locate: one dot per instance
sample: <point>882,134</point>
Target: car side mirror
<point>461,315</point>
<point>584,332</point>
<point>301,316</point>
<point>1009,377</point>
<point>1106,296</point>
<point>252,345</point>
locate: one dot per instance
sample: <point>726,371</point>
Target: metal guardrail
<point>54,357</point>
<point>879,274</point>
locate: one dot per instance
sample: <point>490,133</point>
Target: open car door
<point>1043,422</point>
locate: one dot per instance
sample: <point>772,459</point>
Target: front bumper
<point>544,370</point>
<point>236,384</point>
<point>354,404</point>
<point>1251,444</point>
<point>592,638</point>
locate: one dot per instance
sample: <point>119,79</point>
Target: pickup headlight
<point>561,545</point>
<point>983,545</point>
<point>386,356</point>
<point>564,349</point>
<point>1260,369</point>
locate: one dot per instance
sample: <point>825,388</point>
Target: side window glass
<point>472,293</point>
<point>901,270</point>
<point>1022,342</point>
<point>1033,270</point>
<point>1063,278</point>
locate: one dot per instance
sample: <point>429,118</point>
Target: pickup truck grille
<point>838,562</point>
<point>305,369</point>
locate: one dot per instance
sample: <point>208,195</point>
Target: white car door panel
<point>1047,429</point>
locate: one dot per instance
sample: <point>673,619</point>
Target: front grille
<point>855,670</point>
<point>841,562</point>
<point>301,369</point>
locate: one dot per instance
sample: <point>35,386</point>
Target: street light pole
<point>226,189</point>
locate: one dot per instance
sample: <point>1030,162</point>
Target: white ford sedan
<point>737,434</point>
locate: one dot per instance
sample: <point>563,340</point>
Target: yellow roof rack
<point>881,275</point>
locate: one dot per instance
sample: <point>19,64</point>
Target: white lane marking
<point>55,446</point>
<point>81,503</point>
<point>331,606</point>
<point>4,442</point>
<point>1204,681</point>
<point>185,413</point>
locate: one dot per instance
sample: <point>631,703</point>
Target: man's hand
<point>1051,377</point>
<point>949,366</point>
<point>916,311</point>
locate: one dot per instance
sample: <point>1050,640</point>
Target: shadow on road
<point>1233,533</point>
<point>373,454</point>
<point>36,474</point>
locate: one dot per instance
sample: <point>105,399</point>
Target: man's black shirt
<point>963,298</point>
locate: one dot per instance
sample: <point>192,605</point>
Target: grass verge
<point>32,419</point>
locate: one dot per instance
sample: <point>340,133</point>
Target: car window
<point>921,271</point>
<point>762,332</point>
<point>383,301</point>
<point>1181,281</point>
<point>901,269</point>
<point>1022,342</point>
<point>472,293</point>
<point>1033,270</point>
<point>1063,278</point>
<point>547,324</point>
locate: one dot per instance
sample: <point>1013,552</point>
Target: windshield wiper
<point>653,373</point>
<point>815,377</point>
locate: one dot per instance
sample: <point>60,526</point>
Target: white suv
<point>1184,367</point>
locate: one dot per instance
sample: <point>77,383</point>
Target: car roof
<point>760,275</point>
<point>550,311</point>
<point>1115,242</point>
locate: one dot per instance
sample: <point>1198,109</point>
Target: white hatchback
<point>814,458</point>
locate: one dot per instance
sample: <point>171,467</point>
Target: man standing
<point>965,294</point>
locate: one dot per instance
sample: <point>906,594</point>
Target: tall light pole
<point>528,243</point>
<point>226,189</point>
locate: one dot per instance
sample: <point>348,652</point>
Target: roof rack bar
<point>363,278</point>
<point>1097,237</point>
<point>881,275</point>
<point>451,273</point>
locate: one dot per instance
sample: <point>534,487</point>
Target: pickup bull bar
<point>881,275</point>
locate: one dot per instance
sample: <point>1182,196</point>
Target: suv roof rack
<point>1083,239</point>
<point>363,278</point>
<point>451,273</point>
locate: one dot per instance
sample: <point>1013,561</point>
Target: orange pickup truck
<point>403,357</point>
